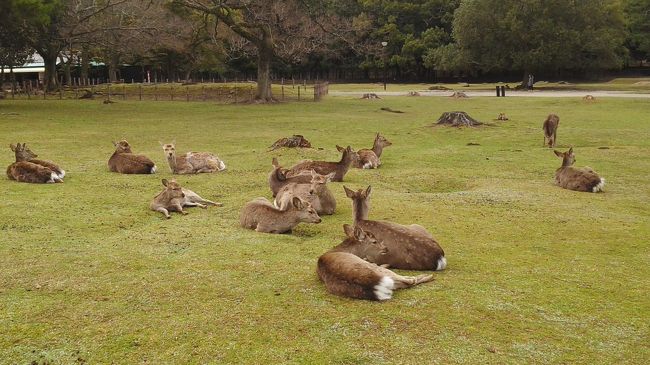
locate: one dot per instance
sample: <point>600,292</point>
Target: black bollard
<point>503,91</point>
<point>498,91</point>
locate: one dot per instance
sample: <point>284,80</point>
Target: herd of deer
<point>359,266</point>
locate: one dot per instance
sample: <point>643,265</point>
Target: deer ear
<point>297,203</point>
<point>114,144</point>
<point>174,142</point>
<point>161,144</point>
<point>330,176</point>
<point>275,163</point>
<point>571,150</point>
<point>349,149</point>
<point>359,234</point>
<point>339,148</point>
<point>349,230</point>
<point>348,192</point>
<point>368,191</point>
<point>559,154</point>
<point>12,146</point>
<point>280,175</point>
<point>165,182</point>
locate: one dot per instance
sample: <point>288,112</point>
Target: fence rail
<point>226,93</point>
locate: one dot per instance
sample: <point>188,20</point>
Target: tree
<point>637,13</point>
<point>540,35</point>
<point>274,29</point>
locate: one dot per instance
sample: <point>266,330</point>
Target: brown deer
<point>278,177</point>
<point>369,158</point>
<point>588,98</point>
<point>174,197</point>
<point>125,161</point>
<point>191,162</point>
<point>410,247</point>
<point>550,129</point>
<point>27,169</point>
<point>316,193</point>
<point>345,271</point>
<point>262,216</point>
<point>573,178</point>
<point>348,158</point>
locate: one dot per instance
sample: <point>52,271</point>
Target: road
<point>528,94</point>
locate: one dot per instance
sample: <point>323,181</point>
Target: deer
<point>278,177</point>
<point>411,247</point>
<point>348,270</point>
<point>588,98</point>
<point>28,169</point>
<point>125,161</point>
<point>316,193</point>
<point>348,158</point>
<point>369,158</point>
<point>550,129</point>
<point>262,216</point>
<point>191,162</point>
<point>573,178</point>
<point>174,198</point>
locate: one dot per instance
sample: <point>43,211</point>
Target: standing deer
<point>191,162</point>
<point>573,178</point>
<point>174,198</point>
<point>550,129</point>
<point>411,247</point>
<point>316,193</point>
<point>345,271</point>
<point>278,177</point>
<point>262,216</point>
<point>28,169</point>
<point>125,161</point>
<point>348,158</point>
<point>369,158</point>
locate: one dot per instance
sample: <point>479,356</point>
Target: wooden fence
<point>220,92</point>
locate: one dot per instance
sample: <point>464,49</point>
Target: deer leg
<point>164,212</point>
<point>409,281</point>
<point>179,208</point>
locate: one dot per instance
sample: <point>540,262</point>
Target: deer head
<point>306,213</point>
<point>318,181</point>
<point>568,158</point>
<point>382,141</point>
<point>169,149</point>
<point>22,152</point>
<point>360,202</point>
<point>122,146</point>
<point>349,155</point>
<point>363,244</point>
<point>173,189</point>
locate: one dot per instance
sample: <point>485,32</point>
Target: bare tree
<point>272,28</point>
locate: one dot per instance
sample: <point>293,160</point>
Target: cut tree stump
<point>457,119</point>
<point>292,142</point>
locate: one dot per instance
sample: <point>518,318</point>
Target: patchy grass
<point>536,274</point>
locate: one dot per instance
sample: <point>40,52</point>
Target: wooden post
<point>187,93</point>
<point>251,93</point>
<point>235,91</point>
<point>140,91</point>
<point>29,90</point>
<point>203,92</point>
<point>108,92</point>
<point>155,92</point>
<point>171,90</point>
<point>123,92</point>
<point>299,93</point>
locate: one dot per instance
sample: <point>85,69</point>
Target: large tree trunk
<point>66,70</point>
<point>265,51</point>
<point>85,64</point>
<point>112,67</point>
<point>50,79</point>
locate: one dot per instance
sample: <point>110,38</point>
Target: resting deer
<point>28,169</point>
<point>348,158</point>
<point>278,177</point>
<point>262,216</point>
<point>588,98</point>
<point>369,158</point>
<point>345,271</point>
<point>550,129</point>
<point>175,197</point>
<point>316,193</point>
<point>125,161</point>
<point>191,162</point>
<point>573,178</point>
<point>411,247</point>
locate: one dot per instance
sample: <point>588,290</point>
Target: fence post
<point>250,90</point>
<point>123,92</point>
<point>298,92</point>
<point>140,91</point>
<point>108,92</point>
<point>235,92</point>
<point>187,93</point>
<point>203,96</point>
<point>155,92</point>
<point>172,92</point>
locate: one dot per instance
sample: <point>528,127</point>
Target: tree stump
<point>292,142</point>
<point>457,119</point>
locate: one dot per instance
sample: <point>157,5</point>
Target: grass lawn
<point>536,274</point>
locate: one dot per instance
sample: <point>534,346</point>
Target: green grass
<point>635,84</point>
<point>536,274</point>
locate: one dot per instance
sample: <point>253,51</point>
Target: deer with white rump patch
<point>573,178</point>
<point>262,216</point>
<point>125,161</point>
<point>316,193</point>
<point>349,270</point>
<point>348,158</point>
<point>175,197</point>
<point>370,158</point>
<point>278,177</point>
<point>191,162</point>
<point>28,169</point>
<point>411,247</point>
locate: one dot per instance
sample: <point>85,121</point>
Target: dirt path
<point>535,93</point>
